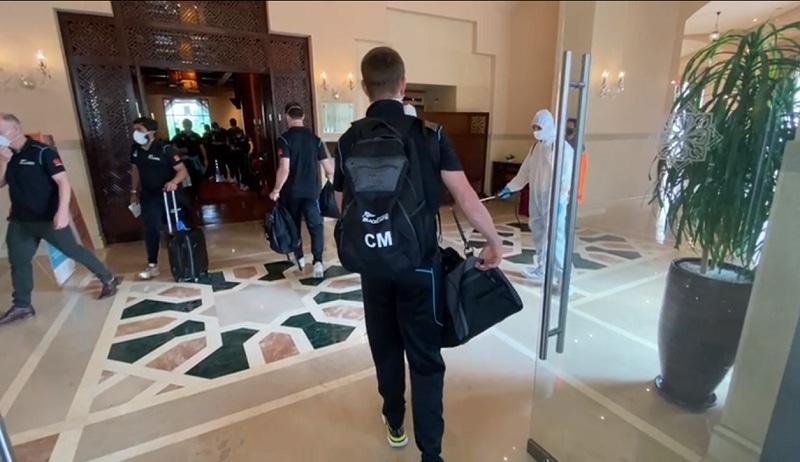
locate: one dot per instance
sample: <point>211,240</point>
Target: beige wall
<point>27,27</point>
<point>639,38</point>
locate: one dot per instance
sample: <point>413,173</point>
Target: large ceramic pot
<point>698,332</point>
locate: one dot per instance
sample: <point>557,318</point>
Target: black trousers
<point>404,318</point>
<point>23,240</point>
<point>308,210</point>
<point>154,216</point>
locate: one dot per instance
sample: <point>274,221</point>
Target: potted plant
<point>715,177</point>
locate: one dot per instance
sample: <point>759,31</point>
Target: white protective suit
<point>537,172</point>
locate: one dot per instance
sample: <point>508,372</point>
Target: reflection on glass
<point>337,117</point>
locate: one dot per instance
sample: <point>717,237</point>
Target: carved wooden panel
<point>103,91</point>
<point>290,71</point>
<point>153,46</point>
<point>242,16</point>
<point>90,39</point>
<point>288,54</point>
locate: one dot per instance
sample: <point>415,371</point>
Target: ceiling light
<point>714,36</point>
<point>755,19</point>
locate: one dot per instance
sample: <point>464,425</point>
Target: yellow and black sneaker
<point>395,436</point>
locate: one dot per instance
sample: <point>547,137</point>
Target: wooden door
<point>103,91</point>
<point>468,132</point>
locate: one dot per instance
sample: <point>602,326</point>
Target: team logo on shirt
<point>57,162</point>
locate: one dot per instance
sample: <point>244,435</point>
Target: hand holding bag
<point>475,300</point>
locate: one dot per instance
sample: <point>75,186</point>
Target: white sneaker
<point>534,275</point>
<point>301,264</point>
<point>149,273</point>
<point>319,270</point>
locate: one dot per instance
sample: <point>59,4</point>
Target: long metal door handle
<point>6,450</point>
<point>572,207</point>
<point>555,187</point>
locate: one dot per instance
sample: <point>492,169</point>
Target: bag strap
<point>468,251</point>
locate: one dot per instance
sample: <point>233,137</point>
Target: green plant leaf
<point>747,80</point>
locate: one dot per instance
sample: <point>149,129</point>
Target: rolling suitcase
<point>188,256</point>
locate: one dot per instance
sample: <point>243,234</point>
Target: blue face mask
<point>4,142</point>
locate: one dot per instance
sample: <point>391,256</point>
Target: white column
<point>769,328</point>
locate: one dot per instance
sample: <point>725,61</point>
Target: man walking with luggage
<point>300,153</point>
<point>388,232</point>
<point>155,169</point>
<point>40,195</point>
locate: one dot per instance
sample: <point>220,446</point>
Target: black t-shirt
<point>189,141</point>
<point>33,192</point>
<point>422,134</point>
<point>156,165</point>
<point>304,150</point>
<point>238,141</point>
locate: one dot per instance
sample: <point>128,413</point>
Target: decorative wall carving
<point>156,47</point>
<point>236,17</point>
<point>103,89</point>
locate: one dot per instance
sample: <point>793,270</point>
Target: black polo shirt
<point>29,175</point>
<point>304,150</point>
<point>421,133</point>
<point>156,165</point>
<point>238,141</point>
<point>189,141</point>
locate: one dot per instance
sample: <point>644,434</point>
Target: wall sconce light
<point>334,91</point>
<point>612,91</point>
<point>43,69</point>
<point>324,81</point>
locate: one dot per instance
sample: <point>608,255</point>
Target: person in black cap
<point>40,194</point>
<point>156,168</point>
<point>300,153</point>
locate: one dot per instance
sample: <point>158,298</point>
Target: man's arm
<point>180,174</point>
<point>204,155</point>
<point>325,158</point>
<point>3,168</point>
<point>284,167</point>
<point>64,191</point>
<point>467,200</point>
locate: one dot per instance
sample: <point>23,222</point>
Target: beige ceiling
<point>735,15</point>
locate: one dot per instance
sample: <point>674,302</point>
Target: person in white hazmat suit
<point>537,172</point>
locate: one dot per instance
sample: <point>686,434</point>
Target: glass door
<point>613,380</point>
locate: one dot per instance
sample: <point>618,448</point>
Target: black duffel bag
<point>475,300</point>
<point>281,231</point>
<point>327,202</point>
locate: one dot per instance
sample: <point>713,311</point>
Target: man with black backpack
<point>300,153</point>
<point>389,171</point>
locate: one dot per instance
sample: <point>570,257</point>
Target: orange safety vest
<point>582,178</point>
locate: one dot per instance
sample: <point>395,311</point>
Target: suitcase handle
<point>175,210</point>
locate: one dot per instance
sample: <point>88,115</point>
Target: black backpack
<point>385,228</point>
<point>281,231</point>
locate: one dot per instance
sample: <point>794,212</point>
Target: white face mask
<point>6,141</point>
<point>539,135</point>
<point>140,137</point>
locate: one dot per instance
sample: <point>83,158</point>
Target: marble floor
<point>258,362</point>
